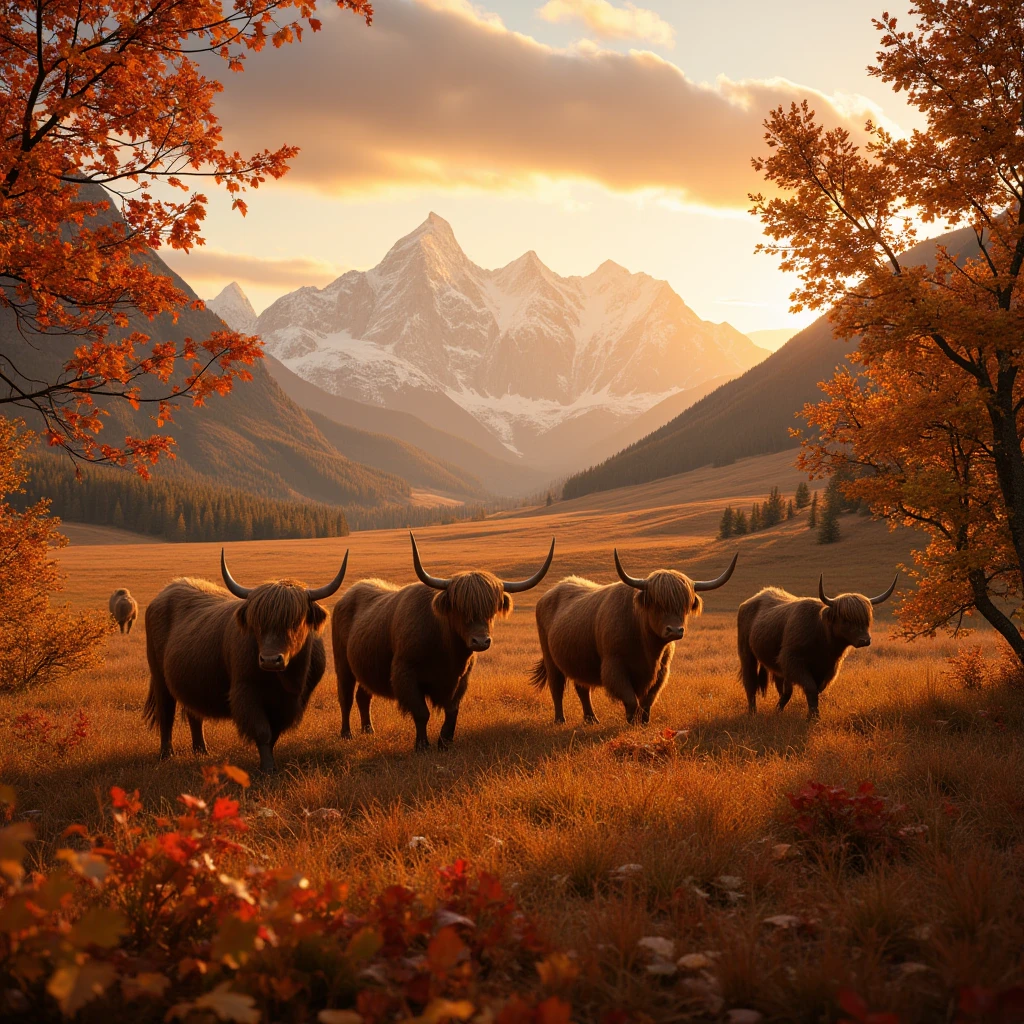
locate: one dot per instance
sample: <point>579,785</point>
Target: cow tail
<point>539,675</point>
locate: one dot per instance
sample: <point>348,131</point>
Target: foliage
<point>49,739</point>
<point>774,509</point>
<point>661,748</point>
<point>828,521</point>
<point>726,525</point>
<point>803,495</point>
<point>933,411</point>
<point>37,641</point>
<point>756,519</point>
<point>835,823</point>
<point>153,916</point>
<point>739,525</point>
<point>111,94</point>
<point>178,508</point>
<point>812,519</point>
<point>968,667</point>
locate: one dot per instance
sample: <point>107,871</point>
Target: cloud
<point>436,95</point>
<point>607,21</point>
<point>215,265</point>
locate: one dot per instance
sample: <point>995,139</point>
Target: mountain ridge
<point>519,349</point>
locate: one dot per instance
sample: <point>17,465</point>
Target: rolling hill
<point>753,414</point>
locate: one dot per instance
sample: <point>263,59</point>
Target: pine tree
<point>771,514</point>
<point>828,529</point>
<point>739,523</point>
<point>812,519</point>
<point>756,521</point>
<point>726,526</point>
<point>790,510</point>
<point>549,501</point>
<point>803,495</point>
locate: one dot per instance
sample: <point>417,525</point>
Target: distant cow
<point>417,643</point>
<point>800,641</point>
<point>123,609</point>
<point>620,636</point>
<point>256,661</point>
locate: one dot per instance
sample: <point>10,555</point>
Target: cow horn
<point>431,581</point>
<point>235,588</point>
<point>887,594</point>
<point>322,593</point>
<point>518,587</point>
<point>821,592</point>
<point>630,581</point>
<point>699,585</point>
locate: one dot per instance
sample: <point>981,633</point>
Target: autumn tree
<point>932,415</point>
<point>107,122</point>
<point>38,641</point>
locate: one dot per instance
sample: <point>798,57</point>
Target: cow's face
<point>850,619</point>
<point>665,604</point>
<point>470,604</point>
<point>281,617</point>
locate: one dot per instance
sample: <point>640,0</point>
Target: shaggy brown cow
<point>800,641</point>
<point>123,609</point>
<point>620,636</point>
<point>256,661</point>
<point>417,643</point>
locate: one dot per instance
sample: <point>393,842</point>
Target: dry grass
<point>556,811</point>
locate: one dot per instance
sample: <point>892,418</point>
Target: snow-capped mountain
<point>543,362</point>
<point>232,305</point>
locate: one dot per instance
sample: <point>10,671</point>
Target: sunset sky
<point>583,129</point>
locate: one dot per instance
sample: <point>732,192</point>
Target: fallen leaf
<point>693,962</point>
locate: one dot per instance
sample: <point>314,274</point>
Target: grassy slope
<point>552,810</point>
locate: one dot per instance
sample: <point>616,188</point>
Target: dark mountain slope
<point>751,415</point>
<point>256,438</point>
<point>412,464</point>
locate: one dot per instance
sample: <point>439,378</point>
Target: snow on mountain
<point>521,349</point>
<point>232,305</point>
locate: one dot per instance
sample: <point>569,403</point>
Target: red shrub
<point>863,823</point>
<point>44,735</point>
<point>163,918</point>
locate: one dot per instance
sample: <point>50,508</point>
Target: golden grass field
<point>556,811</point>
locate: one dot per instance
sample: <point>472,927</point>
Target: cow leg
<point>810,688</point>
<point>664,664</point>
<point>583,692</point>
<point>363,698</point>
<point>195,723</point>
<point>159,710</point>
<point>346,691</point>
<point>556,684</point>
<point>785,692</point>
<point>131,622</point>
<point>410,698</point>
<point>451,714</point>
<point>120,626</point>
<point>253,724</point>
<point>615,679</point>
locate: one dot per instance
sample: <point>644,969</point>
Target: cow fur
<point>615,637</point>
<point>204,647</point>
<point>123,609</point>
<point>798,641</point>
<point>413,645</point>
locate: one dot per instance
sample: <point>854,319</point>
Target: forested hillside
<point>184,508</point>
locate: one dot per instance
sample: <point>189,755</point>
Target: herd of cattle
<point>255,654</point>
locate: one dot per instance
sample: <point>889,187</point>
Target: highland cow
<point>255,661</point>
<point>123,609</point>
<point>800,641</point>
<point>417,644</point>
<point>620,636</point>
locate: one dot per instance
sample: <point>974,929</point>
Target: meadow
<point>686,869</point>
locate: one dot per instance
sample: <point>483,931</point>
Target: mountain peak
<point>232,305</point>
